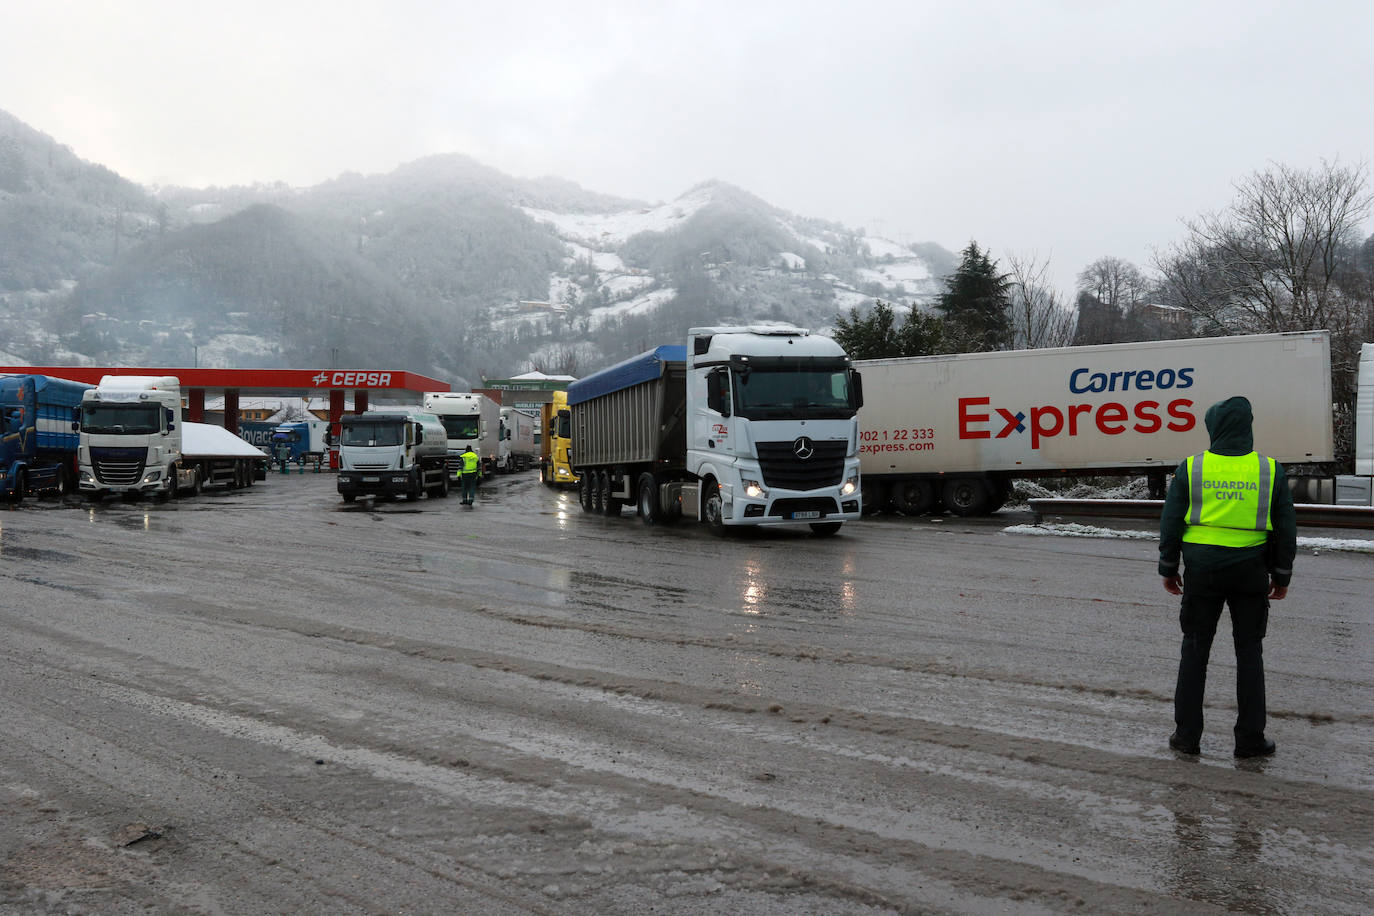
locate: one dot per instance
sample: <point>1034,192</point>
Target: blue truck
<point>304,440</point>
<point>39,417</point>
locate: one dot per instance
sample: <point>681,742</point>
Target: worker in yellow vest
<point>1230,515</point>
<point>469,475</point>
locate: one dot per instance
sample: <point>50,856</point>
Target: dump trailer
<point>518,449</point>
<point>38,439</point>
<point>555,443</point>
<point>956,431</point>
<point>742,426</point>
<point>133,441</point>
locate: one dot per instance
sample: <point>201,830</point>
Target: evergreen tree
<point>975,304</point>
<point>876,335</point>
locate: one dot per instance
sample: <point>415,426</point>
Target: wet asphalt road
<point>265,701</point>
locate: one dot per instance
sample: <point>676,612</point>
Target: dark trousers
<point>469,487</point>
<point>1244,587</point>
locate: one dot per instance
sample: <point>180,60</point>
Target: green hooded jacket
<point>1230,426</point>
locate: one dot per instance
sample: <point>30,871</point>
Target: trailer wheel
<point>713,508</point>
<point>965,496</point>
<point>584,491</point>
<point>913,497</point>
<point>646,502</point>
<point>609,504</point>
<point>875,496</point>
<point>198,483</point>
<point>594,484</point>
<point>826,529</point>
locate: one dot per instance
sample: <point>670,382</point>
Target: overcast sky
<point>1071,130</point>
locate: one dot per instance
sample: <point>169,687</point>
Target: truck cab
<point>470,420</point>
<point>555,443</point>
<point>392,453</point>
<point>773,432</point>
<point>130,435</point>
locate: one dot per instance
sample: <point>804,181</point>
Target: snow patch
<point>1074,530</point>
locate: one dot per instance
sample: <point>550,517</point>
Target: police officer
<point>470,461</point>
<point>1230,514</point>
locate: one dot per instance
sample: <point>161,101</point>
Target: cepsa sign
<point>340,379</point>
<point>1146,414</point>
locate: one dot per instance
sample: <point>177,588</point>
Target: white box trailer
<point>959,429</point>
<point>518,450</point>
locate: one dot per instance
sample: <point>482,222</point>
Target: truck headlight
<point>754,490</point>
<point>850,485</point>
<point>152,476</point>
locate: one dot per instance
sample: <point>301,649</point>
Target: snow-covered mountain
<point>444,265</point>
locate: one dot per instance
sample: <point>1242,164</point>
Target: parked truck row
<point>744,426</point>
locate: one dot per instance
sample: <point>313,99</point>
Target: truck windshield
<point>786,393</point>
<point>460,427</point>
<point>371,434</point>
<point>120,419</point>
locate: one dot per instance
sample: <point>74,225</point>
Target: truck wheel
<point>647,499</point>
<point>965,496</point>
<point>609,504</point>
<point>913,497</point>
<point>875,498</point>
<point>826,529</point>
<point>713,508</point>
<point>441,490</point>
<point>584,491</point>
<point>64,481</point>
<point>21,484</point>
<point>412,489</point>
<point>349,497</point>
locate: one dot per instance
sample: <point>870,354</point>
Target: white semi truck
<point>517,450</point>
<point>133,441</point>
<point>399,452</point>
<point>957,430</point>
<point>742,426</point>
<point>470,419</point>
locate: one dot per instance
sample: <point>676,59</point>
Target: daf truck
<point>470,420</point>
<point>133,442</point>
<point>38,443</point>
<point>956,431</point>
<point>743,426</point>
<point>389,453</point>
<point>517,449</point>
<point>555,443</point>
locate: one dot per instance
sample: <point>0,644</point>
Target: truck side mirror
<point>171,424</point>
<point>858,382</point>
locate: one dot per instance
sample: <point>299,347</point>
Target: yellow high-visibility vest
<point>469,462</point>
<point>1228,499</point>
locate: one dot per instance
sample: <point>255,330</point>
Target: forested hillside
<point>444,266</point>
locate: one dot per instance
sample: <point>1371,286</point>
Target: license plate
<point>372,480</point>
<point>806,515</point>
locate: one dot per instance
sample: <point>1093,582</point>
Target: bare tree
<point>1269,262</point>
<point>1039,315</point>
<point>1115,283</point>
